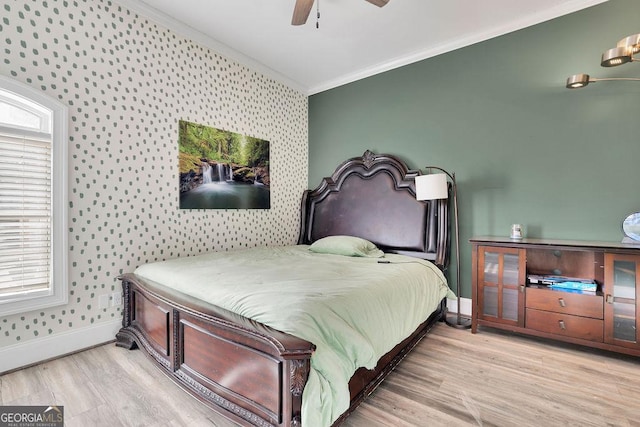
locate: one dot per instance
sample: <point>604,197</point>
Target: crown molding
<point>171,23</point>
<point>420,55</point>
<point>184,30</point>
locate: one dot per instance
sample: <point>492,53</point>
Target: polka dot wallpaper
<point>127,82</point>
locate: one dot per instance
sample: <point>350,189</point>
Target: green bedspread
<point>353,309</point>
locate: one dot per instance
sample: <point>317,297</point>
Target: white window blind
<point>25,215</point>
<point>33,199</point>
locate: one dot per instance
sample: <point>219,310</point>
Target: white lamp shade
<point>431,187</point>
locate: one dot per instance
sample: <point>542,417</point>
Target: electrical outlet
<point>103,301</point>
<point>116,299</point>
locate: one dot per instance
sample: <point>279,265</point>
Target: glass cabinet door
<point>491,266</point>
<point>621,297</point>
<point>500,276</point>
<point>510,289</point>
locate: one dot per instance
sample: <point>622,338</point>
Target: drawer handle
<point>562,325</point>
<point>561,302</point>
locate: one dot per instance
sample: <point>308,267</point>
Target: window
<point>33,199</point>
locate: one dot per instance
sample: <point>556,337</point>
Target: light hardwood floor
<point>452,378</point>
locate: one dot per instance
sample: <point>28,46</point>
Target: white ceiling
<point>355,40</point>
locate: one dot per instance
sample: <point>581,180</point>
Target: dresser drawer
<point>565,324</point>
<point>584,305</point>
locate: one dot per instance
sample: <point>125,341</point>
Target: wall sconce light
<point>621,54</point>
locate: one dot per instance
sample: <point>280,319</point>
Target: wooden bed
<point>251,373</point>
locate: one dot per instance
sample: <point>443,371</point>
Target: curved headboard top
<point>373,197</point>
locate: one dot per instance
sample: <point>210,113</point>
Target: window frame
<point>59,294</point>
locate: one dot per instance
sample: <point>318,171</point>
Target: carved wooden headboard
<point>373,197</point>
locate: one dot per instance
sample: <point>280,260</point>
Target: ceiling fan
<point>303,8</point>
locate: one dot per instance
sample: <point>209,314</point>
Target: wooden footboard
<point>252,374</point>
<point>248,372</point>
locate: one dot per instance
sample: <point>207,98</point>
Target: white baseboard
<point>465,306</point>
<point>38,350</point>
<point>49,347</point>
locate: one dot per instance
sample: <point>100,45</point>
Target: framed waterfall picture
<point>220,169</point>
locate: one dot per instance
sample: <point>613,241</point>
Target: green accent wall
<point>564,163</point>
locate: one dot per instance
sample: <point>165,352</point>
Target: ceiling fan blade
<point>301,11</point>
<point>378,3</point>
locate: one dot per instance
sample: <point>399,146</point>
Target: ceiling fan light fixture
<point>578,81</point>
<point>617,56</point>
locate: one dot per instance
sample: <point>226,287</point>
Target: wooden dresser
<point>505,298</point>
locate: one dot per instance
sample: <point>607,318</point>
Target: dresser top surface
<point>592,244</point>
